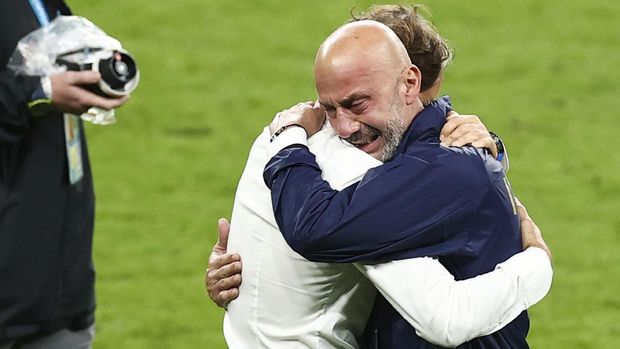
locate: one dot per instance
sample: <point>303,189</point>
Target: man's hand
<point>310,115</point>
<point>223,276</point>
<point>68,94</point>
<point>466,129</point>
<point>530,233</point>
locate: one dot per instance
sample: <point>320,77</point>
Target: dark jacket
<point>46,224</point>
<point>450,203</point>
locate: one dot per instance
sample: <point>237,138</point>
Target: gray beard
<point>395,128</point>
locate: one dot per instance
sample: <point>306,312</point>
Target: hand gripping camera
<point>119,71</point>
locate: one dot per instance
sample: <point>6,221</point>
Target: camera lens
<point>121,69</point>
<point>117,70</point>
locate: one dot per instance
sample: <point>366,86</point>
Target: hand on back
<point>223,276</point>
<point>460,130</point>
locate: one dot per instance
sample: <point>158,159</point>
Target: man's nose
<point>345,126</point>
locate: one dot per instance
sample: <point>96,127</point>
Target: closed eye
<point>358,107</point>
<point>330,112</point>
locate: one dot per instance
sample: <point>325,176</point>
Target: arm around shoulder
<point>326,225</point>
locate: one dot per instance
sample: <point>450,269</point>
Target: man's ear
<point>413,82</point>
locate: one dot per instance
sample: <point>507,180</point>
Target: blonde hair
<point>426,48</point>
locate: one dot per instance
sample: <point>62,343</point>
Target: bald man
<point>451,204</point>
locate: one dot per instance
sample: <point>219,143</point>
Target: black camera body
<point>119,71</point>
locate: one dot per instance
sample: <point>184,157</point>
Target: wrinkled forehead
<point>340,78</point>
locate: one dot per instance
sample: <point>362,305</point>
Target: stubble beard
<point>395,128</point>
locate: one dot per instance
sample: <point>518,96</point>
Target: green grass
<point>542,74</point>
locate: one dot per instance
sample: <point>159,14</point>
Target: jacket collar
<point>427,125</point>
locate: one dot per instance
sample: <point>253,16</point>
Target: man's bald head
<point>366,45</point>
<point>368,86</point>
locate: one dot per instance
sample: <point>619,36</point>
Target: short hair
<point>426,48</point>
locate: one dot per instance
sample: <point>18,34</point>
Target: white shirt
<point>286,301</point>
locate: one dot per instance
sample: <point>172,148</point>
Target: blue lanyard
<point>39,10</point>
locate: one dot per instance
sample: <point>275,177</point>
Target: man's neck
<point>412,110</point>
<point>426,123</point>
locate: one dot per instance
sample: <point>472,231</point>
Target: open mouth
<point>367,139</point>
<point>364,142</point>
<point>370,145</point>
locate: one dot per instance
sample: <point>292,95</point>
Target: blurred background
<point>542,74</point>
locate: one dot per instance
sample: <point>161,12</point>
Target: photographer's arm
<point>15,92</point>
<point>67,95</point>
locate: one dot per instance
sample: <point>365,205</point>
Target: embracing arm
<point>441,310</point>
<point>448,312</point>
<point>367,221</point>
<point>399,210</point>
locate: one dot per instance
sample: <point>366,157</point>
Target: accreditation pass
<point>74,148</point>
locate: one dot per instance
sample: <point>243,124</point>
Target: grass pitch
<point>542,74</point>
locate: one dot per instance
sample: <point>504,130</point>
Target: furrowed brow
<point>326,105</point>
<point>348,101</point>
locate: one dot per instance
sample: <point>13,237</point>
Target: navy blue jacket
<point>450,203</point>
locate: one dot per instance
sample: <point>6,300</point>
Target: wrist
<point>291,135</point>
<point>46,86</point>
<point>499,144</point>
<point>532,243</point>
<point>41,99</point>
<point>284,128</point>
<point>537,244</point>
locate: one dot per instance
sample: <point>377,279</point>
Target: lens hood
<point>119,74</point>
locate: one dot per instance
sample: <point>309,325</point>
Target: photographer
<point>46,195</point>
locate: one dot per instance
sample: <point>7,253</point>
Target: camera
<point>119,71</point>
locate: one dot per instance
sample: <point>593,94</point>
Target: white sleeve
<point>448,312</point>
<point>292,135</point>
